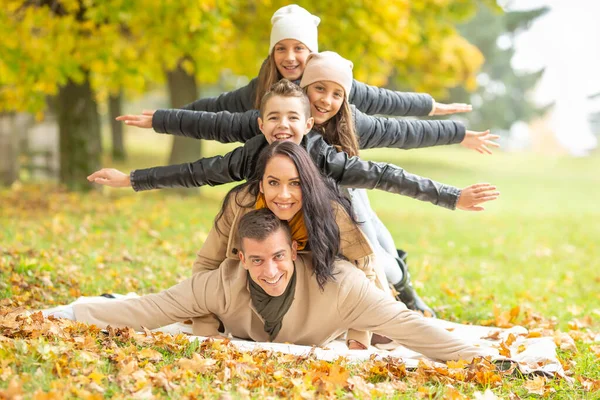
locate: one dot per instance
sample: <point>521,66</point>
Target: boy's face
<point>284,119</point>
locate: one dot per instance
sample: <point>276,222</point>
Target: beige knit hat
<point>294,22</point>
<point>328,66</point>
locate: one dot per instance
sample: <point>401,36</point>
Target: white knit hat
<point>328,66</point>
<point>294,22</point>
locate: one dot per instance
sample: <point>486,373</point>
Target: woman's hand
<point>446,109</point>
<point>110,177</point>
<point>141,121</point>
<point>479,141</point>
<point>472,196</point>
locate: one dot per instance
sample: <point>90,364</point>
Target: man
<point>272,295</point>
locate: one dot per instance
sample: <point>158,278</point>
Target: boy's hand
<point>110,177</point>
<point>141,121</point>
<point>446,109</point>
<point>479,141</point>
<point>472,196</point>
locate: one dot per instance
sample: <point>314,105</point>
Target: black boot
<point>406,291</point>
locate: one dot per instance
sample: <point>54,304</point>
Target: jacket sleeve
<point>364,307</point>
<point>235,166</point>
<point>356,173</point>
<point>193,297</point>
<point>373,100</point>
<point>224,127</point>
<point>238,100</point>
<point>214,250</point>
<point>378,132</point>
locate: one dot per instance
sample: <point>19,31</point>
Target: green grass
<point>536,247</point>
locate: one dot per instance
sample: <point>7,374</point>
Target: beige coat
<point>314,318</point>
<point>222,249</point>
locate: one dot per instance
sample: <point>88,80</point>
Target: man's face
<point>284,119</point>
<point>270,262</point>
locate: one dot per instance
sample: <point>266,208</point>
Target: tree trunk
<point>9,149</point>
<point>182,90</point>
<point>116,127</point>
<point>79,126</point>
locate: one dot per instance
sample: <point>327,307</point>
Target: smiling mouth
<point>321,110</point>
<point>273,282</point>
<point>284,206</point>
<point>283,136</point>
<point>290,67</point>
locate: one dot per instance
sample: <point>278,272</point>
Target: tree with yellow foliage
<point>81,52</point>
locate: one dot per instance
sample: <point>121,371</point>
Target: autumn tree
<point>86,52</point>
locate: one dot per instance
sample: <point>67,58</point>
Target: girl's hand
<point>445,109</point>
<point>472,196</point>
<point>479,141</point>
<point>141,121</point>
<point>110,177</point>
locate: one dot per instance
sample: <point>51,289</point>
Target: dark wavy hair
<point>318,195</point>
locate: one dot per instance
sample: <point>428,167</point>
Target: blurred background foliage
<point>68,59</point>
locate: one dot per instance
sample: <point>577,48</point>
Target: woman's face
<point>326,99</point>
<point>290,57</point>
<point>281,187</point>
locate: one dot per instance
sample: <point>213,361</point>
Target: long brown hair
<point>339,130</point>
<point>267,76</point>
<point>318,195</point>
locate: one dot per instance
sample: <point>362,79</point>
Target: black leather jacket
<point>372,132</point>
<point>348,171</point>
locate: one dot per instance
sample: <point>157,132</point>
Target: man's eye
<point>256,262</point>
<point>272,118</point>
<point>294,118</point>
<point>279,257</point>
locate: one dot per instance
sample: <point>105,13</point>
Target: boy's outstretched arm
<point>234,166</point>
<point>356,173</point>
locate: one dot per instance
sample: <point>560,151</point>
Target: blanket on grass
<point>533,355</point>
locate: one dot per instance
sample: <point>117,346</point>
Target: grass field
<point>534,251</point>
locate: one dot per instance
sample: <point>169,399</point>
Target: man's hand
<point>141,121</point>
<point>110,177</point>
<point>472,196</point>
<point>479,141</point>
<point>446,109</point>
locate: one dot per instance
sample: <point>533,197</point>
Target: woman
<point>287,182</point>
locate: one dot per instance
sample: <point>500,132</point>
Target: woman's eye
<point>295,183</point>
<point>273,183</point>
<point>338,95</point>
<point>300,48</point>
